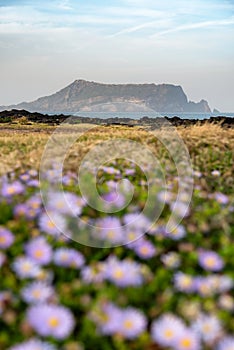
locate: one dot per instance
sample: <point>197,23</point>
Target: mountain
<point>89,96</point>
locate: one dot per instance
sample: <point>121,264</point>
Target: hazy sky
<point>45,45</point>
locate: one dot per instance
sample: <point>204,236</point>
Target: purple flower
<point>165,197</point>
<point>33,172</point>
<point>215,173</point>
<point>51,320</point>
<point>93,274</point>
<point>112,185</point>
<point>171,260</point>
<point>110,170</point>
<point>65,203</point>
<point>218,283</point>
<point>187,340</point>
<point>33,183</point>
<point>34,344</point>
<point>210,260</point>
<point>132,323</point>
<point>184,282</point>
<point>34,203</point>
<point>15,188</point>
<point>109,319</point>
<point>109,229</point>
<point>226,302</point>
<point>39,250</point>
<point>226,343</point>
<point>25,267</point>
<point>208,328</point>
<point>166,329</point>
<point>37,292</point>
<point>144,249</point>
<point>20,210</point>
<point>129,323</point>
<point>204,286</point>
<point>46,276</point>
<point>114,199</point>
<point>68,257</point>
<point>6,238</point>
<point>137,221</point>
<point>24,177</point>
<point>224,283</point>
<point>31,213</point>
<point>52,223</point>
<point>130,172</point>
<point>221,198</point>
<point>53,175</point>
<point>131,236</point>
<point>180,209</point>
<point>68,179</point>
<point>176,233</point>
<point>123,273</point>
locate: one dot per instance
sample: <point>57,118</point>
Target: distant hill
<point>88,96</point>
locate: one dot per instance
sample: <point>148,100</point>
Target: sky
<point>46,45</point>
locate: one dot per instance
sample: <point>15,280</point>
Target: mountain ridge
<point>89,96</point>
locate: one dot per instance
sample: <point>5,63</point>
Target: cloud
<point>198,25</point>
<point>22,19</point>
<point>65,5</point>
<point>131,12</point>
<point>153,24</point>
<point>140,3</point>
<point>169,15</point>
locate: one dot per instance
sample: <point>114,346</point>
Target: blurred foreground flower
<point>51,320</point>
<point>34,344</point>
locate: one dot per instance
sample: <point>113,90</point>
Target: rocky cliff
<point>22,117</point>
<point>89,96</point>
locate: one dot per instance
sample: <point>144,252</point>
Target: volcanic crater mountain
<point>87,96</point>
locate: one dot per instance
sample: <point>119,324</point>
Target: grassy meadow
<point>160,290</point>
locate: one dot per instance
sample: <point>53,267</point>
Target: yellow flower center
<point>60,205</point>
<point>104,318</point>
<point>128,324</point>
<point>20,211</point>
<point>111,234</point>
<point>35,205</point>
<point>186,281</point>
<point>2,239</point>
<point>36,294</point>
<point>41,275</point>
<point>206,328</point>
<point>64,256</point>
<point>118,273</point>
<point>26,267</point>
<point>10,190</point>
<point>38,253</point>
<point>210,262</point>
<point>51,224</point>
<point>174,231</point>
<point>204,289</point>
<point>186,343</point>
<point>144,250</point>
<point>131,236</point>
<point>53,322</point>
<point>168,333</point>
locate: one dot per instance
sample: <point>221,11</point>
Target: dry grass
<point>21,147</point>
